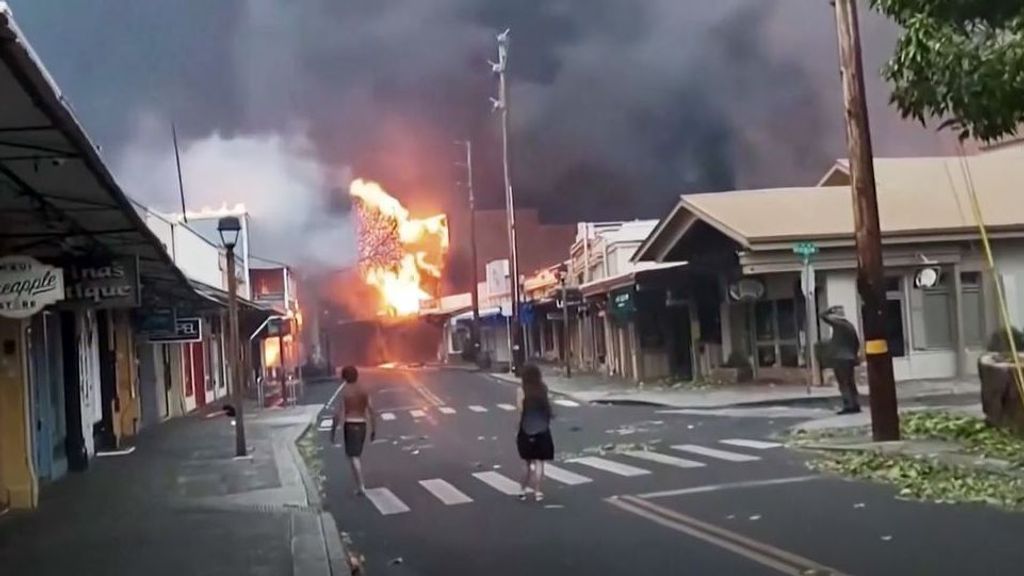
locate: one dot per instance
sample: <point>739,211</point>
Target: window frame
<point>776,343</point>
<point>977,288</point>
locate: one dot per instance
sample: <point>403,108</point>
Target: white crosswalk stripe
<point>386,501</point>
<point>445,492</point>
<point>500,483</point>
<point>326,424</point>
<point>755,444</point>
<point>715,453</point>
<point>567,403</point>
<point>417,413</point>
<point>564,476</point>
<point>609,466</point>
<point>387,416</point>
<point>447,410</point>
<point>476,408</point>
<point>506,407</point>
<point>664,459</point>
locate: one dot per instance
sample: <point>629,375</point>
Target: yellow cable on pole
<point>1004,313</point>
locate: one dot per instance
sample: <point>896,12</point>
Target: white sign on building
<point>27,286</point>
<point>497,278</point>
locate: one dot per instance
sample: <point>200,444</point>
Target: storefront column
<point>634,348</point>
<point>958,318</point>
<point>609,345</point>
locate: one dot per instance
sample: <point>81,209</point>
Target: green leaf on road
<point>927,479</point>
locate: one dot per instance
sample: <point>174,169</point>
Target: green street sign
<point>805,250</point>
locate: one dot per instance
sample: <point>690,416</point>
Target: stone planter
<point>1000,396</point>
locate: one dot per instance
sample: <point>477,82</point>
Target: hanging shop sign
<point>746,290</point>
<point>156,320</point>
<point>27,286</point>
<point>622,304</point>
<point>572,296</point>
<point>102,284</point>
<point>185,330</point>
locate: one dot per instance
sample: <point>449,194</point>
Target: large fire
<point>400,256</point>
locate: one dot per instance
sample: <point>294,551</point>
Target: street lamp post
<point>229,227</point>
<point>563,278</point>
<point>501,105</point>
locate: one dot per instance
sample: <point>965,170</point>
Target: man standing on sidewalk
<point>843,356</point>
<point>355,411</point>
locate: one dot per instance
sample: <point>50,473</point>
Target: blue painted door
<point>46,383</point>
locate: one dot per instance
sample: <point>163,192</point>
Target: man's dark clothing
<point>843,357</point>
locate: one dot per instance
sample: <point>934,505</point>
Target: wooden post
<point>870,275</point>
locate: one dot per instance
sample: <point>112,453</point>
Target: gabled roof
<point>917,197</point>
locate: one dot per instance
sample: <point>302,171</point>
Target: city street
<point>634,489</point>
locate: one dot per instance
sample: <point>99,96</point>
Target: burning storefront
<point>376,319</point>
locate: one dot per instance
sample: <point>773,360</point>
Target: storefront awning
<point>217,298</point>
<point>57,197</point>
<point>605,285</point>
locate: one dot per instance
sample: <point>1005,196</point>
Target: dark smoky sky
<point>617,107</point>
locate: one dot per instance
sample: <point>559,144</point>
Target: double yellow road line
<point>423,391</point>
<point>765,554</point>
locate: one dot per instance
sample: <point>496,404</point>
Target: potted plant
<point>1000,394</point>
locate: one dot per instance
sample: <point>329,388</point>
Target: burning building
<point>401,266</point>
<point>400,256</point>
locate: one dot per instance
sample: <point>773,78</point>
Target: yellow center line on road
<point>422,390</point>
<point>760,552</point>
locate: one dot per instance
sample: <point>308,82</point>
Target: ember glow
<point>400,256</point>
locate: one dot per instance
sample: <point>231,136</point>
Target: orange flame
<point>399,255</point>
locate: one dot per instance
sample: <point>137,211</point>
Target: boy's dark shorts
<point>355,437</point>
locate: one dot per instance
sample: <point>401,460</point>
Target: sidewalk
<point>181,504</point>
<point>588,387</point>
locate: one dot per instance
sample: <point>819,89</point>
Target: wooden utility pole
<point>885,423</point>
<point>474,336</point>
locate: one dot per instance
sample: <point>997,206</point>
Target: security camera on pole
<point>501,105</point>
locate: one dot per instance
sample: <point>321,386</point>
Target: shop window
<point>459,338</point>
<point>894,330</point>
<point>775,329</point>
<point>936,321</point>
<point>973,309</point>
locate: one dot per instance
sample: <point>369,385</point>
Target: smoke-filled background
<point>617,107</point>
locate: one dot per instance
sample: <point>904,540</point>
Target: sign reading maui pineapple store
<point>27,286</point>
<point>102,284</point>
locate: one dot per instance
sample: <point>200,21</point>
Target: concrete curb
<point>312,491</point>
<point>337,556</point>
<point>317,548</point>
<point>513,381</point>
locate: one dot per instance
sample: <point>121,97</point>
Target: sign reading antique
<point>27,286</point>
<point>185,330</point>
<point>108,284</point>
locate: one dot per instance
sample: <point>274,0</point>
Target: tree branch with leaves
<point>960,61</point>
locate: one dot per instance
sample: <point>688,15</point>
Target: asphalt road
<point>641,491</point>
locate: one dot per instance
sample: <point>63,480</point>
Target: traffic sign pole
<point>806,250</point>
